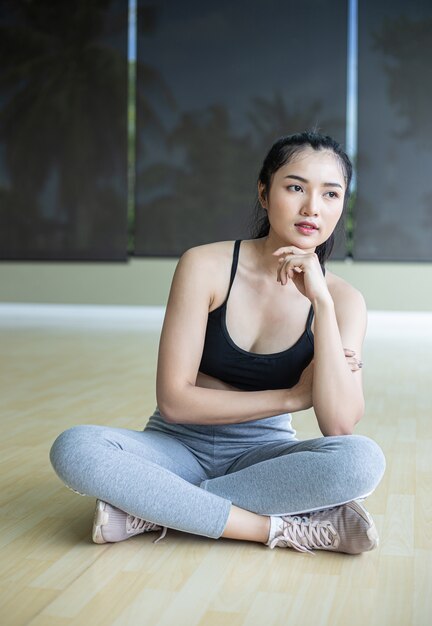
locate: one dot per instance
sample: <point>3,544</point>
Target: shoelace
<point>136,523</point>
<point>295,528</point>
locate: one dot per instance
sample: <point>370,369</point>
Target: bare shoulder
<point>208,266</point>
<point>350,309</point>
<point>211,254</point>
<point>343,293</point>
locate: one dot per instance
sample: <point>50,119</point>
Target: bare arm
<point>179,399</point>
<point>338,393</point>
<point>340,320</point>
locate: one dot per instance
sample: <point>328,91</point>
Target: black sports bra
<point>251,371</point>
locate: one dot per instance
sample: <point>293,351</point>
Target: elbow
<point>171,405</point>
<point>165,406</point>
<point>166,414</point>
<point>343,424</point>
<point>167,411</point>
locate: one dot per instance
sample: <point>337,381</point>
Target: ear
<point>262,195</point>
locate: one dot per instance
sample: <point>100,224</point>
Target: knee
<point>66,449</point>
<point>366,458</point>
<point>371,452</point>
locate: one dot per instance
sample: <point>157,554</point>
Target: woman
<point>254,331</point>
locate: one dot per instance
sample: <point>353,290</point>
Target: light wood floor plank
<point>51,574</point>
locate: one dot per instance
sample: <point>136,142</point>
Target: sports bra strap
<point>234,265</point>
<point>309,317</point>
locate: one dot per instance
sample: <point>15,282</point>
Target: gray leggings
<point>186,477</point>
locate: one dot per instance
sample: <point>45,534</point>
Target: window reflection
<point>63,70</point>
<point>393,212</point>
<point>218,83</point>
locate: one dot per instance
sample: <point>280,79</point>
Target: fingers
<point>293,261</point>
<point>283,271</point>
<point>354,363</point>
<point>286,270</point>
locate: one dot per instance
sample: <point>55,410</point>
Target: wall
<point>386,286</point>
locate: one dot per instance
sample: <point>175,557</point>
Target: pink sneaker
<point>347,528</point>
<point>111,525</point>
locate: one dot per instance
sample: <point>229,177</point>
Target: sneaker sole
<point>100,518</point>
<point>322,508</point>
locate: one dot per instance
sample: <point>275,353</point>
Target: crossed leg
<point>156,477</point>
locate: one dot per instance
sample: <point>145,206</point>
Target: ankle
<point>267,524</point>
<point>247,526</point>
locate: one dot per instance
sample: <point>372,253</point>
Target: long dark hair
<point>281,153</point>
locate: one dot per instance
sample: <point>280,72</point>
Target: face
<point>305,199</point>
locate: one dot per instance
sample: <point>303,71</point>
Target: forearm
<point>337,398</point>
<point>198,405</point>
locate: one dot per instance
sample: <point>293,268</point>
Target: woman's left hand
<point>304,269</point>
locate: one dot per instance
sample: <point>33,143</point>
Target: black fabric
<point>250,371</point>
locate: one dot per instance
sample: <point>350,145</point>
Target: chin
<point>304,243</point>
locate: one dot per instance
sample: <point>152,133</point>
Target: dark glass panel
<point>63,135</point>
<point>394,207</point>
<point>217,83</point>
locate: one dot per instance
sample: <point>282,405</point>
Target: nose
<point>310,205</point>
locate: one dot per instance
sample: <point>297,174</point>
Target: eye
<point>295,187</point>
<point>332,194</point>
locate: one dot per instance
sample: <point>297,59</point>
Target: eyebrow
<point>303,180</point>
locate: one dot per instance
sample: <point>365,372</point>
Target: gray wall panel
<point>217,83</point>
<point>394,207</point>
<point>63,130</point>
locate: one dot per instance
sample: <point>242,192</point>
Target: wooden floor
<point>53,575</point>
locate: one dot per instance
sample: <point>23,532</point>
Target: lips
<point>309,225</point>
